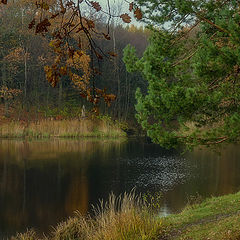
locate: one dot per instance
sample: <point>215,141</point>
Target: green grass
<point>129,217</point>
<point>226,228</point>
<point>217,216</point>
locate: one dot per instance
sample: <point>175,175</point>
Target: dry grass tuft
<point>120,218</point>
<point>29,235</point>
<point>123,217</point>
<point>62,128</point>
<point>128,218</point>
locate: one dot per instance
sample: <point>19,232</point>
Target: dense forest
<point>60,58</point>
<point>23,55</point>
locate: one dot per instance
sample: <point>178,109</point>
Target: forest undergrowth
<point>56,123</point>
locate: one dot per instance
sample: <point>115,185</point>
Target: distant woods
<point>23,55</point>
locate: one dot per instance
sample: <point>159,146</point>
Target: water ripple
<point>162,173</point>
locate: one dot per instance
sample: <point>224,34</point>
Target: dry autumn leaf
<point>99,56</point>
<point>63,70</point>
<point>4,1</point>
<point>57,60</point>
<point>79,29</point>
<point>113,54</point>
<point>54,15</point>
<point>130,6</point>
<point>69,3</point>
<point>32,24</point>
<point>55,43</point>
<point>96,6</point>
<point>42,26</point>
<point>126,18</point>
<point>90,24</point>
<point>108,98</point>
<point>44,6</point>
<point>70,52</point>
<point>106,36</point>
<point>63,10</point>
<point>51,75</point>
<point>138,14</point>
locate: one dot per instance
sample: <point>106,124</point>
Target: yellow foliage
<point>80,61</point>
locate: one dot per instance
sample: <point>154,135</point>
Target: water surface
<point>44,182</point>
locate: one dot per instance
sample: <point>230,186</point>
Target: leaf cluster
<point>73,42</point>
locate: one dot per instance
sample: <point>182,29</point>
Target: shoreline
<point>130,217</point>
<point>65,128</point>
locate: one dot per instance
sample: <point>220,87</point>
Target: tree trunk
<point>126,95</point>
<point>25,75</point>
<point>60,94</point>
<point>116,69</point>
<point>4,84</point>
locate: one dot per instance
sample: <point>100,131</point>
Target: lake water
<point>44,182</point>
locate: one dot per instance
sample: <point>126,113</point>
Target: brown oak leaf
<point>42,26</point>
<point>113,54</point>
<point>138,13</point>
<point>130,6</point>
<point>96,5</point>
<point>90,24</point>
<point>44,6</point>
<point>99,56</point>
<point>69,4</point>
<point>106,36</point>
<point>79,29</point>
<point>126,18</point>
<point>63,70</point>
<point>108,98</point>
<point>54,15</point>
<point>63,10</point>
<point>31,24</point>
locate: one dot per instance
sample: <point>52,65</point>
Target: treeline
<point>23,55</point>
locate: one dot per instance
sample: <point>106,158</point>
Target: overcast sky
<point>120,7</point>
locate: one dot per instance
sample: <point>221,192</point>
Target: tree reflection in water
<point>44,182</point>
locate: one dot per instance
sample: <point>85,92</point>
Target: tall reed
<point>121,218</point>
<point>62,128</point>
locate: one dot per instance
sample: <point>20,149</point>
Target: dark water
<point>44,182</point>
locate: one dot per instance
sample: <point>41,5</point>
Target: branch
<point>222,139</point>
<point>213,24</point>
<point>178,39</point>
<point>187,58</point>
<point>206,141</point>
<point>107,13</point>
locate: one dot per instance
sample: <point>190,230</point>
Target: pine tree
<point>192,66</point>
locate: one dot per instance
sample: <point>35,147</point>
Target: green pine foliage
<point>192,66</point>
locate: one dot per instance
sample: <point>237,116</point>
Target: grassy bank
<point>129,217</point>
<point>120,218</point>
<point>62,128</point>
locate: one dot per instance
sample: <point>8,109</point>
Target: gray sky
<point>119,7</point>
